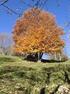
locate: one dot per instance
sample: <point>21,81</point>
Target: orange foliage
<point>36,31</point>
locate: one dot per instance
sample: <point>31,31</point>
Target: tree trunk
<point>55,56</point>
<point>59,57</point>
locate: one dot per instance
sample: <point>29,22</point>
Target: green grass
<point>18,76</point>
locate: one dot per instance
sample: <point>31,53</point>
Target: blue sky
<point>59,8</point>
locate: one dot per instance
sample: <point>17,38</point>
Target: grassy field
<point>18,76</point>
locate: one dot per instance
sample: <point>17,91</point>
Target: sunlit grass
<point>18,76</point>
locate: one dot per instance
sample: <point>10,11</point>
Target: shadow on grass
<point>51,61</point>
<point>31,58</point>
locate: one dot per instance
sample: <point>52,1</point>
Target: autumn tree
<point>36,31</point>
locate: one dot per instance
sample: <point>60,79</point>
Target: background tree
<point>36,31</point>
<point>5,44</point>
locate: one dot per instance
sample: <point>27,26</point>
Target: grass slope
<point>22,77</point>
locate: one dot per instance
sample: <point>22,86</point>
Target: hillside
<point>18,76</point>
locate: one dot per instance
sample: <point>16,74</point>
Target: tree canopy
<point>37,31</point>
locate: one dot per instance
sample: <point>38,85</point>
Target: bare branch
<point>11,10</point>
<point>4,2</point>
